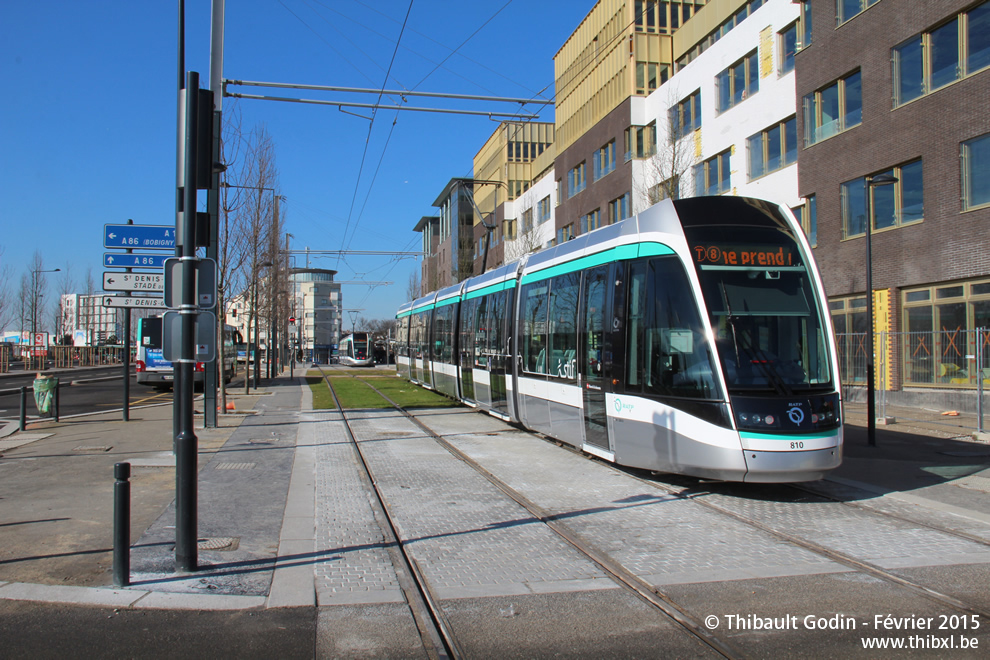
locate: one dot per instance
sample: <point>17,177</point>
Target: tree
<point>6,295</point>
<point>414,290</point>
<point>36,284</point>
<point>260,176</point>
<point>673,156</point>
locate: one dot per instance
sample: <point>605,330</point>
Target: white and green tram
<point>692,339</point>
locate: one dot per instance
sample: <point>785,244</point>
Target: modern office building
<point>315,303</point>
<point>900,87</point>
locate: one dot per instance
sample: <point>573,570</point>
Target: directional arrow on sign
<point>150,282</point>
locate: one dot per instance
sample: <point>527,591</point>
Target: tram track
<point>665,603</point>
<point>645,591</point>
<point>434,630</point>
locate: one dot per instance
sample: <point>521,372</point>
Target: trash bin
<point>44,392</point>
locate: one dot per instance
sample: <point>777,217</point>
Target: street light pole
<point>871,417</point>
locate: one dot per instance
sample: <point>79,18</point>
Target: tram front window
<point>767,325</point>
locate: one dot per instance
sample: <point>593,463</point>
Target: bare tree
<point>261,180</point>
<point>36,283</point>
<point>6,294</point>
<point>674,155</point>
<point>414,290</point>
<point>232,234</point>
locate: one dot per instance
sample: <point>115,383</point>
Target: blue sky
<point>88,116</point>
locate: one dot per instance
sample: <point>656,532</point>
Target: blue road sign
<point>157,237</point>
<point>122,260</point>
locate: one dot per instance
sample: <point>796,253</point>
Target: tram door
<point>498,349</point>
<point>591,351</point>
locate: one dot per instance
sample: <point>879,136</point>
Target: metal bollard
<point>55,400</point>
<point>24,398</point>
<point>121,525</point>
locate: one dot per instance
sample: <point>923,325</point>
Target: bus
<point>154,370</point>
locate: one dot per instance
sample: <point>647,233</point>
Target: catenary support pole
<point>186,450</point>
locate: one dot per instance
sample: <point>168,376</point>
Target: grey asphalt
<point>292,564</point>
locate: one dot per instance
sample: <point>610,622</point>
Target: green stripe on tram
<point>790,436</point>
<point>620,253</point>
<point>492,288</point>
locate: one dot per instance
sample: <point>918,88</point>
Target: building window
<point>892,205</point>
<point>650,75</point>
<point>850,323</point>
<point>591,221</point>
<point>773,149</point>
<point>738,82</point>
<point>786,47</point>
<point>712,176</point>
<point>847,9</point>
<point>576,180</point>
<point>941,323</point>
<point>976,172</point>
<point>949,52</point>
<point>517,188</point>
<point>565,233</point>
<point>805,25</point>
<point>509,229</point>
<point>619,209</point>
<point>809,219</point>
<point>605,160</point>
<point>833,109</point>
<point>543,210</point>
<point>685,117</point>
<point>527,221</point>
<point>641,141</point>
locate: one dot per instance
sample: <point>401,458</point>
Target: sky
<point>88,118</point>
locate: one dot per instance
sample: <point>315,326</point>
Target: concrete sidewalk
<point>56,494</point>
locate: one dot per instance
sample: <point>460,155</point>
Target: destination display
<point>728,254</point>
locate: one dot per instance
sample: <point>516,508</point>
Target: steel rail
<point>625,578</point>
<point>434,630</point>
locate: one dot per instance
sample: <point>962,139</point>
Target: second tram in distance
<point>692,338</point>
<point>355,350</point>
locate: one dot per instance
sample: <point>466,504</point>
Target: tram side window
<point>534,327</point>
<point>481,332</point>
<point>668,354</point>
<point>403,336</point>
<point>467,330</point>
<point>635,326</point>
<point>443,334</point>
<point>562,351</point>
<point>496,333</point>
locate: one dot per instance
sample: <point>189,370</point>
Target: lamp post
<point>871,419</point>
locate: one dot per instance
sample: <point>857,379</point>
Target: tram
<point>355,350</point>
<point>692,339</point>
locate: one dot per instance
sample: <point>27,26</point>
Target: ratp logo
<point>796,415</point>
<point>620,406</point>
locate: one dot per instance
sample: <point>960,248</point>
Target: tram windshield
<point>764,313</point>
